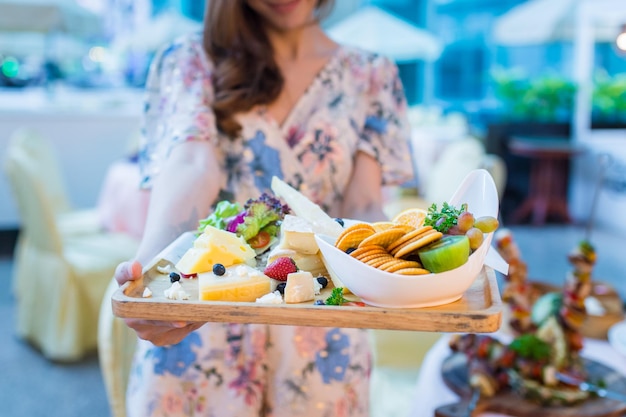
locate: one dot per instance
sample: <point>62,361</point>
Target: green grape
<point>475,236</point>
<point>465,221</point>
<point>486,224</point>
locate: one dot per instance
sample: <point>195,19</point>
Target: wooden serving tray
<point>479,310</point>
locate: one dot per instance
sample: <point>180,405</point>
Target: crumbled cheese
<point>176,292</point>
<point>147,293</point>
<point>317,287</point>
<point>164,269</point>
<point>271,298</point>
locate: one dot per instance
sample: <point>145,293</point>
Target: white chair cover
<point>59,277</point>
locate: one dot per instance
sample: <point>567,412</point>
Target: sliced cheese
<point>240,283</point>
<point>215,246</point>
<point>299,287</point>
<point>297,233</point>
<point>305,208</point>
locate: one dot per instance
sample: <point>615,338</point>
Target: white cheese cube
<point>299,288</point>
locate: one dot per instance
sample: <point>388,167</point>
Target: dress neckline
<point>311,87</point>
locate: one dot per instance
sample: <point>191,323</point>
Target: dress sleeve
<point>386,132</point>
<point>177,106</point>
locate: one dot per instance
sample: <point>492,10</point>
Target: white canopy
<point>375,30</point>
<point>158,31</point>
<point>543,21</point>
<point>48,16</point>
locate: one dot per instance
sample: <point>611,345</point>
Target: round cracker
<point>384,238</point>
<point>353,238</point>
<point>366,249</point>
<point>421,242</point>
<point>412,271</point>
<point>380,226</point>
<point>367,258</point>
<point>379,261</point>
<point>402,265</point>
<point>409,236</point>
<point>390,263</point>
<point>406,227</point>
<point>355,226</point>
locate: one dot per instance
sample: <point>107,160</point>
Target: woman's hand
<point>160,333</point>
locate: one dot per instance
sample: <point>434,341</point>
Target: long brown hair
<point>245,72</point>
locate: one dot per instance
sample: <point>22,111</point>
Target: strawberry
<point>280,268</point>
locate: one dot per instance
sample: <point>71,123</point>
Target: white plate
<point>385,289</point>
<point>617,337</point>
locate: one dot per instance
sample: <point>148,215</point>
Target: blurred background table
<point>88,129</point>
<point>547,193</point>
<point>431,391</point>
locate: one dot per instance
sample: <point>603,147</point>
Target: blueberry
<point>340,221</point>
<point>281,288</point>
<point>219,270</point>
<point>319,302</point>
<point>174,277</point>
<point>350,250</point>
<point>323,281</point>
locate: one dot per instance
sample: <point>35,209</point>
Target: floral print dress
<point>356,103</point>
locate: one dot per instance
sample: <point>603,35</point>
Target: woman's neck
<point>308,41</point>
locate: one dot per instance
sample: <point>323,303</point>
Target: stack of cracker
<point>391,248</point>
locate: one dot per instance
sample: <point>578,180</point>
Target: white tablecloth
<point>431,392</point>
<point>427,145</point>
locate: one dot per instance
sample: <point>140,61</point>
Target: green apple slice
<point>447,253</point>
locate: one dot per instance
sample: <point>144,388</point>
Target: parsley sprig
<point>336,297</point>
<point>442,220</point>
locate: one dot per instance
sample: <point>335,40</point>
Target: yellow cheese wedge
<point>240,283</point>
<point>215,246</point>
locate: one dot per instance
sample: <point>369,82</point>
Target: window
<point>460,71</point>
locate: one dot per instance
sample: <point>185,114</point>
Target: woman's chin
<point>285,16</point>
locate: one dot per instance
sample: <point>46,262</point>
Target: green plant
<point>609,97</point>
<point>549,98</point>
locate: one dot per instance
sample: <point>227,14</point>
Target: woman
<point>263,93</point>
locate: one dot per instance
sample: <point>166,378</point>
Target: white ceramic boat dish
<point>385,289</point>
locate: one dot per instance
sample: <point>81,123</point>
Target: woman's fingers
<point>135,269</point>
<point>162,333</point>
<point>127,271</point>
